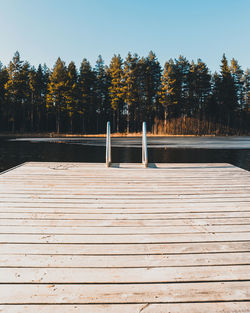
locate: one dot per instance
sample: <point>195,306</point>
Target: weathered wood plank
<point>18,189</point>
<point>71,230</point>
<point>124,293</point>
<point>124,222</point>
<point>226,307</point>
<point>128,223</point>
<point>116,261</point>
<point>125,275</point>
<point>124,249</point>
<point>88,216</point>
<point>177,204</point>
<point>113,196</point>
<point>133,200</point>
<point>123,238</point>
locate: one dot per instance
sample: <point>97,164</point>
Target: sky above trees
<point>43,30</point>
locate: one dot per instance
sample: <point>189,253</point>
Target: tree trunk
<point>165,119</point>
<point>97,123</point>
<point>114,120</point>
<point>71,124</point>
<point>32,114</point>
<point>58,122</point>
<point>47,120</point>
<point>128,120</point>
<point>13,126</point>
<point>83,124</point>
<point>117,121</point>
<point>32,120</point>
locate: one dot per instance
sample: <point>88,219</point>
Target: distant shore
<point>66,135</point>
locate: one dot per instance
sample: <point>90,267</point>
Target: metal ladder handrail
<point>108,146</point>
<point>144,145</point>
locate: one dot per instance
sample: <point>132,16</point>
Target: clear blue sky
<point>42,30</point>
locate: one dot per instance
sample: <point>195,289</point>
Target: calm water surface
<point>234,150</point>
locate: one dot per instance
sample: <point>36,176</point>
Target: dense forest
<point>182,98</point>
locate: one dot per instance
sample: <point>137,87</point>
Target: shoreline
<point>66,135</point>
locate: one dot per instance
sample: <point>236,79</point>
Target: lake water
<point>234,150</point>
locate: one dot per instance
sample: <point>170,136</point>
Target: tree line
<point>181,98</point>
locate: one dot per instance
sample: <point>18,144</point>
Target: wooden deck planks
<point>78,237</point>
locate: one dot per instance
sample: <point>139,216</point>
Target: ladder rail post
<point>144,145</point>
<point>108,146</point>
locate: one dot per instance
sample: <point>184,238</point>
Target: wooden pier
<point>80,237</point>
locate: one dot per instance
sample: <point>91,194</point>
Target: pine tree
<point>141,104</point>
<point>56,100</point>
<point>130,86</point>
<point>116,89</point>
<point>237,75</point>
<point>87,82</point>
<point>38,87</point>
<point>228,90</point>
<point>44,75</point>
<point>33,89</point>
<point>18,93</point>
<point>199,84</point>
<point>102,95</point>
<point>213,108</point>
<point>3,107</point>
<point>152,87</point>
<point>246,86</point>
<point>71,93</point>
<point>224,96</point>
<point>26,98</point>
<point>167,90</point>
<point>182,69</point>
